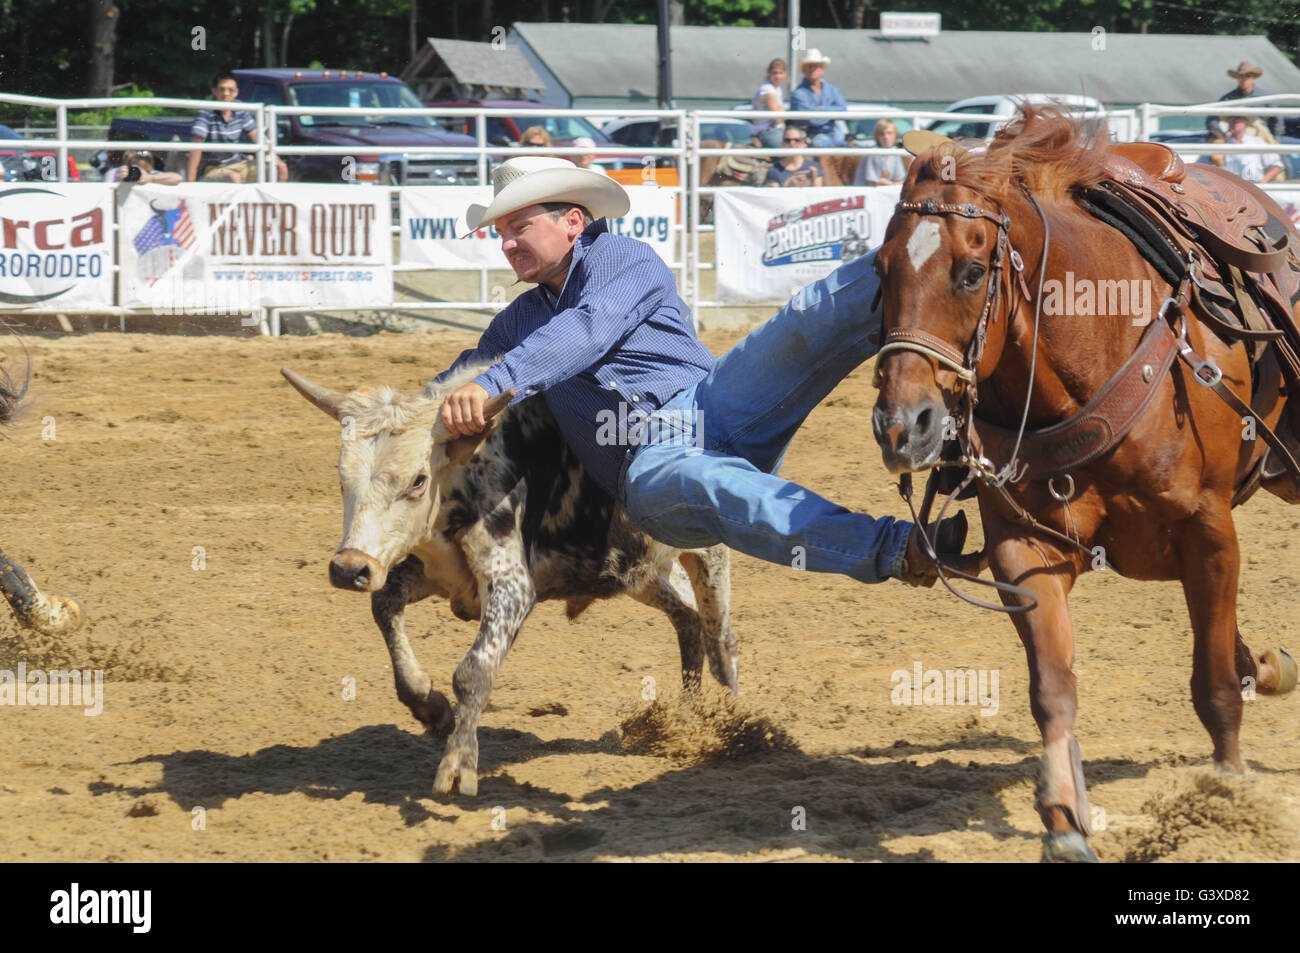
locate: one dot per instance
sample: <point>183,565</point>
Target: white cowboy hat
<point>814,56</point>
<point>533,180</point>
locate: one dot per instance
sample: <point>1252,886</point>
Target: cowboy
<point>815,93</point>
<point>604,336</point>
<point>1245,74</point>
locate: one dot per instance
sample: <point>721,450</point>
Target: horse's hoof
<point>451,771</point>
<point>1285,664</point>
<point>1068,848</point>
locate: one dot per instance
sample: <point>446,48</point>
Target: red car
<point>509,130</point>
<point>27,164</point>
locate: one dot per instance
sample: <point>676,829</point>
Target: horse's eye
<point>974,276</point>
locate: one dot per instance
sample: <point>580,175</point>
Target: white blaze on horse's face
<point>923,243</point>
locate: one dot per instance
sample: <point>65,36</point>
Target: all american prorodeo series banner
<point>56,251</point>
<point>433,221</point>
<point>215,248</point>
<point>772,242</point>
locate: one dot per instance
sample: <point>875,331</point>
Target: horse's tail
<point>11,392</point>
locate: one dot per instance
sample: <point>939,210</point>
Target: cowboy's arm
<point>616,296</point>
<point>497,339</point>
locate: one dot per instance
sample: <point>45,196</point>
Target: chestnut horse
<point>963,267</point>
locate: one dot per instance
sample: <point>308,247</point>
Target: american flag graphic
<point>163,240</point>
<point>1292,212</point>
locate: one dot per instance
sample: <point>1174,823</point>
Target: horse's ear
<point>919,140</point>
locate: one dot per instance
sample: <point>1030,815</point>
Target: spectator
<point>1245,74</point>
<point>769,98</point>
<point>878,169</point>
<point>1258,167</point>
<point>143,162</point>
<point>1214,135</point>
<point>815,94</point>
<point>535,137</point>
<point>794,170</point>
<point>225,126</point>
<point>585,160</point>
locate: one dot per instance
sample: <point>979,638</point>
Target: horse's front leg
<point>1211,563</point>
<point>1048,637</point>
<point>408,583</point>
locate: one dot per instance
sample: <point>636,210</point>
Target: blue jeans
<point>706,471</point>
<point>829,139</point>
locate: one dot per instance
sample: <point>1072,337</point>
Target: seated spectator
<point>1257,167</point>
<point>225,126</point>
<point>769,98</point>
<point>1213,136</point>
<point>142,163</point>
<point>585,161</point>
<point>816,94</point>
<point>536,137</point>
<point>794,170</point>
<point>878,169</point>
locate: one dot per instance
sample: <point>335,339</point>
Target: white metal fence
<point>686,154</point>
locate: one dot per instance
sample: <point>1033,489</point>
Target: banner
<point>433,221</point>
<point>772,242</point>
<point>201,248</point>
<point>55,246</point>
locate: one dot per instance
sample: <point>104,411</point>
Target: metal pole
<point>665,59</point>
<point>795,75</point>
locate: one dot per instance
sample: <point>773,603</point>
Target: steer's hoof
<point>1068,848</point>
<point>435,714</point>
<point>451,771</point>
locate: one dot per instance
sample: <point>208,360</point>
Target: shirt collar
<point>580,246</point>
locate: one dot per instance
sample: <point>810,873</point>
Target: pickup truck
<point>379,140</point>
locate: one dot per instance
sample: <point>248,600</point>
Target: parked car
<point>509,130</point>
<point>641,131</point>
<point>1004,108</point>
<point>29,165</point>
<point>378,140</point>
<point>1290,160</point>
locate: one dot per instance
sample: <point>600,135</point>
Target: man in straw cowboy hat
<point>604,336</point>
<point>816,94</point>
<point>1245,74</point>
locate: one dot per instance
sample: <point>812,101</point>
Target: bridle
<point>966,365</point>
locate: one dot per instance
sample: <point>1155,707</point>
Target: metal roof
<point>477,64</point>
<point>614,64</point>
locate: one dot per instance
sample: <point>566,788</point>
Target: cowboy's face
<point>537,244</point>
<point>1246,84</point>
<point>813,71</point>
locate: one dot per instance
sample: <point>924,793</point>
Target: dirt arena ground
<point>226,667</point>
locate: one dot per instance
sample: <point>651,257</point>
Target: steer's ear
<point>462,449</point>
<point>324,398</point>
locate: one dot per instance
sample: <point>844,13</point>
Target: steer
<point>496,522</point>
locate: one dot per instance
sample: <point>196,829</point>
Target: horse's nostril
<point>923,421</point>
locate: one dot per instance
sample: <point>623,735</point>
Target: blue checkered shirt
<point>618,332</point>
<point>830,99</point>
<point>210,126</point>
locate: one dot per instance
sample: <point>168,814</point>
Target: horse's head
<point>944,257</point>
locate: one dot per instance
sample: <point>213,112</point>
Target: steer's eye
<point>973,277</point>
<point>420,481</point>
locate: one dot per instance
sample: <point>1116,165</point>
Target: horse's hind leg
<point>671,594</point>
<point>1048,637</point>
<point>1211,562</point>
<point>710,571</point>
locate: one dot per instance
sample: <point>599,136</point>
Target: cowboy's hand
<point>462,411</point>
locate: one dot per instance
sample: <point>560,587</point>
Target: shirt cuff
<point>491,381</point>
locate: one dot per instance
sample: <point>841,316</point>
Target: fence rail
<point>687,151</point>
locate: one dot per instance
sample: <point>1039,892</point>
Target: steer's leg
<point>671,594</point>
<point>496,557</point>
<point>710,572</point>
<point>408,583</point>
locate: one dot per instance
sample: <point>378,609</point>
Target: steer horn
<point>49,615</point>
<point>324,398</point>
<point>461,449</point>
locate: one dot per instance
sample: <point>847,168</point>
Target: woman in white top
<point>768,98</point>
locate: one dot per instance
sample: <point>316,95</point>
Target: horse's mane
<point>1044,148</point>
